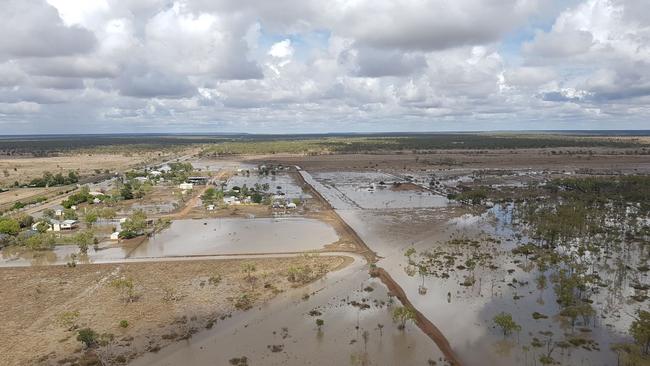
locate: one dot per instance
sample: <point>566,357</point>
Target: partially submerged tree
<point>506,323</point>
<point>403,314</point>
<point>640,330</point>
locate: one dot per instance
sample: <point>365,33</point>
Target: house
<point>58,212</point>
<point>115,235</point>
<point>57,225</point>
<point>231,200</point>
<point>198,180</point>
<point>186,186</point>
<point>210,207</point>
<point>96,200</point>
<point>155,173</point>
<point>95,193</point>
<point>68,224</point>
<point>141,179</point>
<point>291,205</point>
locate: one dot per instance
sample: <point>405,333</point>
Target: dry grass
<point>25,169</point>
<point>174,300</point>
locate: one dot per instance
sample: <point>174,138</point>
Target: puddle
<point>237,236</point>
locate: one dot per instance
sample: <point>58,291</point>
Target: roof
<point>69,222</point>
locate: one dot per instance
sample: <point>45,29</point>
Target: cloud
<point>142,82</point>
<point>306,65</point>
<point>281,49</point>
<point>561,44</point>
<point>33,28</point>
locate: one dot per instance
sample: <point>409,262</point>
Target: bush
<point>88,337</point>
<point>9,226</point>
<point>124,323</point>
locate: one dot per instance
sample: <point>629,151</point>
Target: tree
<point>43,226</point>
<point>9,226</point>
<point>84,239</point>
<point>48,213</point>
<point>640,330</point>
<point>25,220</point>
<point>91,218</point>
<point>40,241</point>
<point>319,323</point>
<point>134,225</point>
<point>505,322</point>
<point>127,191</point>
<point>69,214</point>
<point>403,314</point>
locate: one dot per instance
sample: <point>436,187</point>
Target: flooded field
<point>463,302</point>
<point>357,330</point>
<point>222,236</point>
<point>234,236</point>
<point>362,190</point>
<point>282,183</point>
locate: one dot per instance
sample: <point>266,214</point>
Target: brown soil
<point>602,159</point>
<point>173,301</point>
<point>406,187</point>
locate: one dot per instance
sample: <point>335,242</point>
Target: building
<point>198,180</point>
<point>155,173</point>
<point>115,235</point>
<point>58,225</point>
<point>231,200</point>
<point>291,205</point>
<point>186,186</point>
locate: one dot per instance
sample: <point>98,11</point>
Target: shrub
<point>88,337</point>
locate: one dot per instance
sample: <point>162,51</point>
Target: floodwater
<point>286,323</point>
<point>221,236</point>
<point>362,190</point>
<point>238,236</point>
<point>464,314</point>
<point>277,183</point>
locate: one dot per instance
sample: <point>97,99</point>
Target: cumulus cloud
<point>281,49</point>
<point>306,65</point>
<point>33,28</point>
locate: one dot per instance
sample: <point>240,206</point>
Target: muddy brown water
<point>222,236</point>
<point>341,340</point>
<point>236,235</point>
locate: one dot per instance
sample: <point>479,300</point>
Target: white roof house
<point>115,235</point>
<point>155,173</point>
<point>57,225</point>
<point>95,193</point>
<point>291,205</point>
<point>231,200</point>
<point>186,186</point>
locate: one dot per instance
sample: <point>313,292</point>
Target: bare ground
<point>173,301</point>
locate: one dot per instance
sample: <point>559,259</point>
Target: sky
<point>304,66</point>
